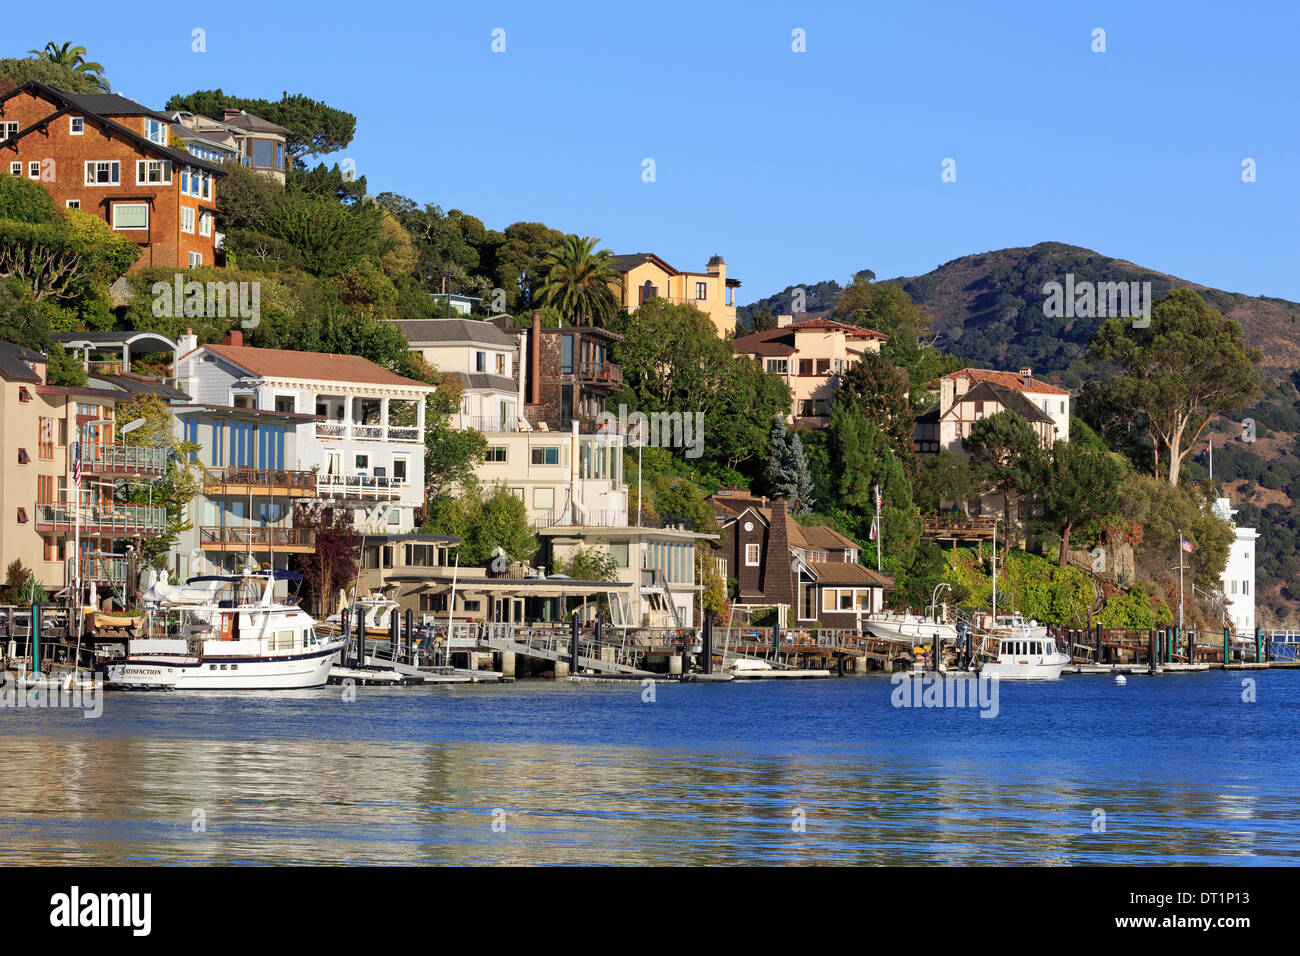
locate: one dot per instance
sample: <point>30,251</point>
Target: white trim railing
<point>345,430</point>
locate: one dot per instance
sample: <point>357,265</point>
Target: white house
<point>485,360</point>
<point>364,442</point>
<point>1239,576</point>
<point>970,394</point>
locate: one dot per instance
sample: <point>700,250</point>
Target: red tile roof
<point>1006,380</point>
<point>313,366</point>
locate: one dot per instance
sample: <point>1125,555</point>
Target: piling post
<point>1101,648</point>
<point>37,609</point>
<point>361,637</point>
<point>1259,640</point>
<point>1173,642</point>
<point>573,644</point>
<point>1153,657</point>
<point>1268,647</point>
<point>1225,647</point>
<point>707,642</point>
<point>394,633</point>
<point>410,636</point>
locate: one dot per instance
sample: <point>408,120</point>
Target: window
<point>544,498</point>
<point>495,453</point>
<point>133,215</point>
<point>187,219</point>
<point>805,366</point>
<point>196,259</point>
<point>751,555</point>
<point>501,364</point>
<point>618,550</point>
<point>1245,587</point>
<point>15,169</point>
<point>74,203</point>
<point>399,472</point>
<point>264,153</point>
<point>106,173</point>
<point>155,131</point>
<point>8,129</point>
<point>23,457</point>
<point>823,366</point>
<point>363,461</point>
<point>778,366</point>
<point>480,362</point>
<point>76,125</point>
<point>153,172</point>
<point>546,455</point>
<point>22,515</point>
<point>205,224</point>
<point>701,290</point>
<point>24,395</point>
<point>34,170</point>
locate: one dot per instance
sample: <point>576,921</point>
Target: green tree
<point>516,261</point>
<point>950,477</point>
<point>882,390</point>
<point>787,469</point>
<point>1082,485</point>
<point>1187,366</point>
<point>483,522</point>
<point>1009,450</point>
<point>578,279</point>
<point>73,59</point>
<point>864,462</point>
<point>175,489</point>
<point>588,564</point>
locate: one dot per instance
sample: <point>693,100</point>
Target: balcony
<point>121,520</point>
<point>371,487</point>
<point>489,423</point>
<point>258,481</point>
<point>144,460</point>
<point>256,538</point>
<point>600,374</point>
<point>346,431</point>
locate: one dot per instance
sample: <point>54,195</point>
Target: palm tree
<point>74,58</point>
<point>577,281</point>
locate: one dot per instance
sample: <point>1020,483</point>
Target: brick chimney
<point>234,337</point>
<point>778,576</point>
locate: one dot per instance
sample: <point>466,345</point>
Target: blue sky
<point>796,167</point>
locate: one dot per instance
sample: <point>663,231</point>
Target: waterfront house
<point>358,428</point>
<point>970,394</point>
<point>568,376</point>
<point>111,157</point>
<point>1238,578</point>
<point>811,570</point>
<point>646,276</point>
<point>809,356</point>
<point>44,430</point>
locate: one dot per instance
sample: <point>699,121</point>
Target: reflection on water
<point>707,774</point>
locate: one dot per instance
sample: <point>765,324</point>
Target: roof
<point>1007,380</point>
<point>70,103</point>
<point>421,331</point>
<point>253,123</point>
<point>783,340</point>
<point>16,363</point>
<point>237,411</point>
<point>845,573</point>
<point>311,366</point>
<point>1009,398</point>
<point>594,330</point>
<point>500,383</point>
<point>142,385</point>
<point>113,339</point>
<point>628,261</point>
<point>113,104</point>
<point>819,537</point>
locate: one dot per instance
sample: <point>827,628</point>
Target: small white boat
<point>239,638</point>
<point>917,628</point>
<point>1023,655</point>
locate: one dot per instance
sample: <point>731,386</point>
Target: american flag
<point>76,466</point>
<point>1187,545</point>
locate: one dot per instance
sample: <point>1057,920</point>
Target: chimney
<point>784,321</point>
<point>186,343</point>
<point>234,337</point>
<point>1027,377</point>
<point>536,342</point>
<point>229,112</point>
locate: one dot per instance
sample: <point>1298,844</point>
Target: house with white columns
<point>364,443</point>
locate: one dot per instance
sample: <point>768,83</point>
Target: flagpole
<point>1181,552</point>
<point>880,532</point>
<point>1210,445</point>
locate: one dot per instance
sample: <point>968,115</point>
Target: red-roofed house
<point>809,357</point>
<point>970,394</point>
<point>269,417</point>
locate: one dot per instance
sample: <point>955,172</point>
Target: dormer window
<point>155,131</point>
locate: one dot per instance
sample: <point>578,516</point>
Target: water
<point>1185,771</point>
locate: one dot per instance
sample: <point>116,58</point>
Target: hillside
<point>988,310</point>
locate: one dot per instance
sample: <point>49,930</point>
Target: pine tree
<point>787,473</point>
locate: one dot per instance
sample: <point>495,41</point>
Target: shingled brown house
<point>774,560</point>
<point>110,156</point>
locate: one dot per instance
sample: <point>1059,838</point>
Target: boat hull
<point>180,672</point>
<point>1046,667</point>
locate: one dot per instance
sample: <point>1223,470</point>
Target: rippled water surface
<point>763,772</point>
